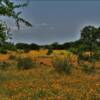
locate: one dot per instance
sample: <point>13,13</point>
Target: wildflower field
<point>43,82</point>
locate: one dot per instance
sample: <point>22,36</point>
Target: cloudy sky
<point>55,20</point>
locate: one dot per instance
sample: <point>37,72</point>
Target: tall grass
<point>25,63</point>
<point>62,65</point>
<point>88,68</point>
<point>4,65</point>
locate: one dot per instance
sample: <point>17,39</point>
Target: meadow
<point>68,71</point>
<point>43,82</point>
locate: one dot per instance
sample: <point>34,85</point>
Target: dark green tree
<point>90,37</point>
<point>34,46</point>
<point>90,34</point>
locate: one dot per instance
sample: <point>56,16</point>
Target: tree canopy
<point>90,34</point>
<point>8,8</point>
<point>90,37</point>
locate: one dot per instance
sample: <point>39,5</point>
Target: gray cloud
<point>38,25</point>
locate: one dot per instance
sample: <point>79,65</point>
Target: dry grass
<point>44,83</point>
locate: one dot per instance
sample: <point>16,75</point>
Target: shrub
<point>12,57</point>
<point>88,68</point>
<point>4,65</point>
<point>50,51</point>
<point>62,65</point>
<point>96,56</point>
<point>73,50</point>
<point>9,46</point>
<point>87,57</point>
<point>25,63</point>
<point>82,57</point>
<point>3,50</point>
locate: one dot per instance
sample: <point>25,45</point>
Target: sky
<point>55,20</point>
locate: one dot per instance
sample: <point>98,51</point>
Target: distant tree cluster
<point>27,47</point>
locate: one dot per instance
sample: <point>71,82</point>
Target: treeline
<point>8,46</point>
<point>33,46</point>
<point>53,46</point>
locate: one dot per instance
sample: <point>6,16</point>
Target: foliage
<point>55,45</point>
<point>73,50</point>
<point>50,51</point>
<point>9,46</point>
<point>62,65</point>
<point>23,46</point>
<point>90,37</point>
<point>8,8</point>
<point>3,50</point>
<point>34,46</point>
<point>27,47</point>
<point>25,63</point>
<point>90,34</point>
<point>88,42</point>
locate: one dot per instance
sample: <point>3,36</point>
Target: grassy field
<point>44,83</point>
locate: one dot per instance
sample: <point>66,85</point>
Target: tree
<point>55,45</point>
<point>8,8</point>
<point>97,36</point>
<point>90,34</point>
<point>90,37</point>
<point>22,46</point>
<point>34,46</point>
<point>90,40</point>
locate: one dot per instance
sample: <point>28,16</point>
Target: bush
<point>10,46</point>
<point>87,57</point>
<point>50,51</point>
<point>83,57</point>
<point>73,50</point>
<point>12,57</point>
<point>25,63</point>
<point>62,65</point>
<point>4,65</point>
<point>96,56</point>
<point>88,68</point>
<point>3,50</point>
